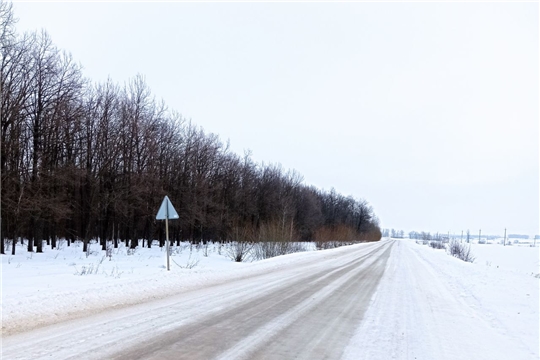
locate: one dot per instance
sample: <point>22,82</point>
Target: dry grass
<point>330,237</point>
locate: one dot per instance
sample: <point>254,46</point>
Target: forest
<point>89,161</point>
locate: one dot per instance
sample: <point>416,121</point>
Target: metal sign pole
<point>167,232</point>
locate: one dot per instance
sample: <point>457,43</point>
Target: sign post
<point>166,211</point>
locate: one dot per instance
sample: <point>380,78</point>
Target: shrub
<point>267,249</point>
<point>237,251</point>
<point>437,245</point>
<point>461,251</point>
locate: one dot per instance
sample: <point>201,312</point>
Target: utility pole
<point>504,241</point>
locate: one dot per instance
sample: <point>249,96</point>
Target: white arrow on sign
<point>166,210</point>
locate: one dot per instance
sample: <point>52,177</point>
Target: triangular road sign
<point>166,210</point>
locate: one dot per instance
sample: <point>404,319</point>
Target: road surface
<point>308,310</point>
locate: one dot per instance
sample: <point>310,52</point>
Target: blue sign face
<point>166,210</point>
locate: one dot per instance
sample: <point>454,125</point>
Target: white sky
<point>427,110</point>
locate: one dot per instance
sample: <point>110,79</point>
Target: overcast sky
<point>429,111</point>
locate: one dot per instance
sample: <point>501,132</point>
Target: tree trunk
<point>39,243</point>
<point>47,234</point>
<point>134,243</point>
<point>30,247</point>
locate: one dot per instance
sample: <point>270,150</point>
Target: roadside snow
<point>65,283</point>
<point>430,305</point>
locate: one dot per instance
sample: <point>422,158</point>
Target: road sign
<point>166,210</point>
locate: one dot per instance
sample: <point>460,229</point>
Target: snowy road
<point>393,299</point>
<point>308,310</point>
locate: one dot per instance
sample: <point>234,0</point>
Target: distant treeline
<point>81,160</point>
<point>466,235</point>
<point>518,236</point>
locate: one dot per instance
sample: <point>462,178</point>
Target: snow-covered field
<point>517,258</point>
<point>428,304</point>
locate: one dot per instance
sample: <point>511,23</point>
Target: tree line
<point>83,160</point>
